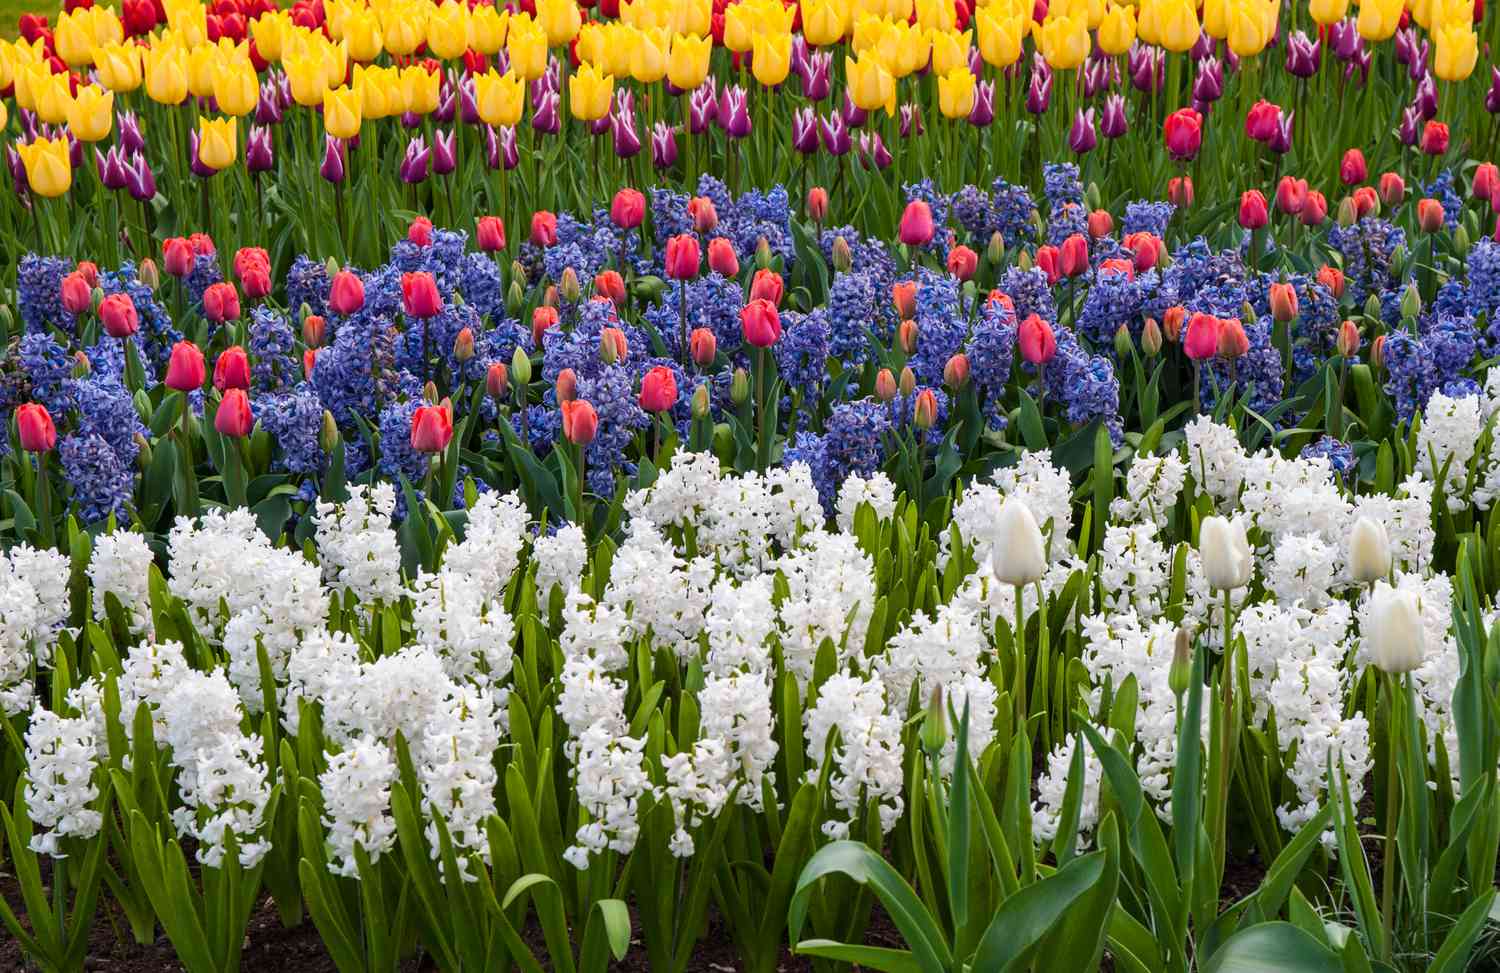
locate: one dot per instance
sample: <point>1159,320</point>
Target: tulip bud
<point>1397,639</point>
<point>1225,550</point>
<point>1283,301</point>
<point>1180,674</point>
<point>924,410</point>
<point>1233,342</point>
<point>1411,302</point>
<point>520,366</point>
<point>1429,215</point>
<point>496,380</point>
<point>700,401</point>
<point>1019,553</point>
<point>1377,351</point>
<point>515,298</point>
<point>995,252</point>
<point>817,204</point>
<point>885,385</point>
<point>1172,321</point>
<point>843,257</point>
<point>550,298</point>
<point>314,329</point>
<point>1348,339</point>
<point>908,381</point>
<point>739,387</point>
<point>149,274</point>
<point>934,723</point>
<point>1372,307</point>
<point>1369,551</point>
<point>1461,241</point>
<point>1151,337</point>
<point>463,345</point>
<point>569,287</point>
<point>607,348</point>
<point>763,255</point>
<point>906,335</point>
<point>1124,344</point>
<point>1392,189</point>
<point>1100,223</point>
<point>328,433</point>
<point>430,392</point>
<point>566,385</point>
<point>1024,261</point>
<point>956,372</point>
<point>1347,214</point>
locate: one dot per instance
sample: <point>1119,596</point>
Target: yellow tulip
<point>687,65</point>
<point>8,61</point>
<point>487,29</point>
<point>912,52</point>
<point>956,93</point>
<point>1216,17</point>
<point>166,74</point>
<point>189,21</point>
<point>91,114</point>
<point>49,170</point>
<point>771,61</point>
<point>499,98</point>
<point>692,17</point>
<point>560,19</point>
<point>404,27</point>
<point>1148,22</point>
<point>527,47</point>
<point>362,35</point>
<point>341,112</point>
<point>1378,19</point>
<point>306,76</point>
<point>1178,24</point>
<point>1117,29</point>
<point>950,51</point>
<point>999,38</point>
<point>1445,12</point>
<point>4,116</point>
<point>218,142</point>
<point>739,27</point>
<point>1455,52</point>
<point>421,89</point>
<point>1246,38</point>
<point>936,15</point>
<point>1328,12</point>
<point>643,14</point>
<point>268,29</point>
<point>1064,42</point>
<point>202,62</point>
<point>236,87</point>
<point>335,64</point>
<point>900,10</point>
<point>648,55</point>
<point>118,66</point>
<point>871,86</point>
<point>50,95</point>
<point>379,91</point>
<point>592,46</point>
<point>589,93</point>
<point>824,22</point>
<point>448,30</point>
<point>74,38</point>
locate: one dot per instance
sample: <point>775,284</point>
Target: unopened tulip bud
<point>1347,213</point>
<point>1151,337</point>
<point>924,411</point>
<point>520,366</point>
<point>739,387</point>
<point>149,274</point>
<point>763,255</point>
<point>515,298</point>
<point>1411,302</point>
<point>81,365</point>
<point>497,380</point>
<point>314,330</point>
<point>1179,676</point>
<point>568,287</point>
<point>1348,339</point>
<point>934,723</point>
<point>817,204</point>
<point>1369,551</point>
<point>550,298</point>
<point>328,433</point>
<point>518,272</point>
<point>956,372</point>
<point>331,266</point>
<point>885,385</point>
<point>700,401</point>
<point>1372,307</point>
<point>1233,342</point>
<point>1124,344</point>
<point>1172,321</point>
<point>607,350</point>
<point>566,385</point>
<point>907,336</point>
<point>430,393</point>
<point>1397,640</point>
<point>995,252</point>
<point>1377,351</point>
<point>908,381</point>
<point>1283,300</point>
<point>843,257</point>
<point>463,345</point>
<point>1461,241</point>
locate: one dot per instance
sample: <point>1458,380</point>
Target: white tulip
<point>1020,554</point>
<point>1397,640</point>
<point>1225,550</point>
<point>1369,551</point>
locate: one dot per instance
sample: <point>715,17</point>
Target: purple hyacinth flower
<point>853,115</point>
<point>622,126</point>
<point>734,112</point>
<point>872,151</point>
<point>663,146</point>
<point>805,130</point>
<point>444,151</point>
<point>130,140</point>
<point>140,181</point>
<point>546,119</point>
<point>111,167</point>
<point>333,159</point>
<point>817,81</point>
<point>1113,123</point>
<point>414,165</point>
<point>1082,137</point>
<point>259,151</point>
<point>703,107</point>
<point>1303,55</point>
<point>835,134</point>
<point>983,112</point>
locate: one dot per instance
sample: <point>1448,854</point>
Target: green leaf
<point>1273,947</point>
<point>1453,955</point>
<point>868,957</point>
<point>1025,917</point>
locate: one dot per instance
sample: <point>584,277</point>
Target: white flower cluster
<point>357,545</point>
<point>867,752</point>
<point>120,565</point>
<point>33,608</point>
<point>61,759</point>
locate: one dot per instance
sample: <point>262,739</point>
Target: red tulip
<point>613,345</point>
<point>1283,301</point>
<point>1333,279</point>
<point>767,285</point>
<point>682,257</point>
<point>817,203</point>
<point>628,209</point>
<point>221,302</point>
<point>420,231</point>
<point>1172,320</point>
<point>722,259</point>
<point>761,323</point>
<point>1048,259</point>
<point>566,385</point>
<point>77,296</point>
<point>1429,215</point>
<point>177,256</point>
<point>1180,191</point>
<point>906,337</point>
<point>580,422</point>
<point>247,259</point>
<point>1352,168</point>
<point>904,297</point>
<point>703,346</point>
<point>1291,195</point>
<point>1074,257</point>
<point>1201,339</point>
<point>609,284</point>
<point>1147,249</point>
<point>1435,138</point>
<point>1038,343</point>
<point>543,228</point>
<point>1262,121</point>
<point>419,295</point>
<point>1233,342</point>
<point>962,262</point>
<point>346,294</point>
<point>1365,202</point>
<point>703,214</point>
<point>1183,132</point>
<point>431,429</point>
<point>1486,181</point>
<point>497,380</point>
<point>885,385</point>
<point>234,417</point>
<point>1377,351</point>
<point>658,390</point>
<point>309,359</point>
<point>1393,189</point>
<point>117,311</point>
<point>232,369</point>
<point>924,410</point>
<point>916,224</point>
<point>1101,224</point>
<point>90,272</point>
<point>1348,340</point>
<point>489,234</point>
<point>34,423</point>
<point>1315,209</point>
<point>185,369</point>
<point>202,244</point>
<point>956,372</point>
<point>543,317</point>
<point>314,330</point>
<point>1253,213</point>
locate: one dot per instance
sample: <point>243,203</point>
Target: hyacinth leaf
<point>1025,918</point>
<point>1273,947</point>
<point>1453,955</point>
<point>868,957</point>
<point>1078,941</point>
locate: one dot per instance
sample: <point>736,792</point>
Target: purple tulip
<point>283,89</point>
<point>1147,67</point>
<point>111,167</point>
<point>129,139</point>
<point>502,62</point>
<point>268,108</point>
<point>139,179</point>
<point>538,90</point>
<point>1426,99</point>
<point>816,83</point>
<point>468,106</point>
<point>194,162</point>
<point>911,120</point>
<point>546,119</point>
<point>333,159</point>
<point>1097,75</point>
<point>1081,137</point>
<point>491,148</point>
<point>976,63</point>
<point>622,126</point>
<point>1203,47</point>
<point>444,151</point>
<point>75,152</point>
<point>414,165</point>
<point>835,132</point>
<point>1405,43</point>
<point>853,115</point>
<point>1208,86</point>
<point>1345,39</point>
<point>1039,94</point>
<point>1360,63</point>
<point>1281,141</point>
<point>259,154</point>
<point>510,156</point>
<point>703,107</point>
<point>663,146</point>
<point>1419,61</point>
<point>798,60</point>
<point>447,106</point>
<point>1113,123</point>
<point>17,170</point>
<point>872,151</point>
<point>1492,97</point>
<point>734,112</point>
<point>1411,125</point>
<point>983,112</point>
<point>410,119</point>
<point>805,130</point>
<point>1303,55</point>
